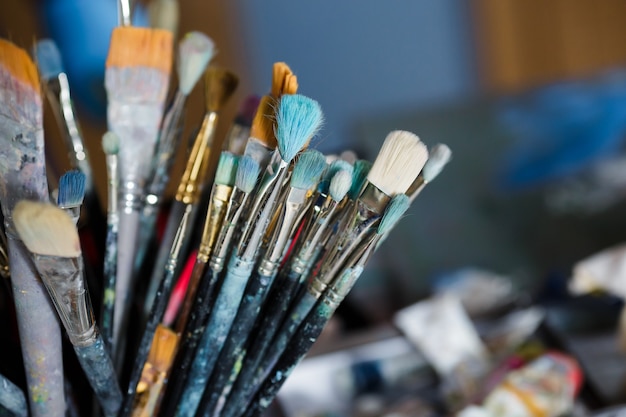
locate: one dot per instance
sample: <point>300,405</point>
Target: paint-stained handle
<point>99,370</point>
<point>108,297</point>
<point>12,400</point>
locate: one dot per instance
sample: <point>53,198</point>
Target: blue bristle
<point>396,208</point>
<point>48,59</point>
<point>361,169</point>
<point>226,169</point>
<point>340,184</point>
<point>308,170</point>
<point>336,166</point>
<point>297,120</point>
<point>71,189</point>
<point>247,173</point>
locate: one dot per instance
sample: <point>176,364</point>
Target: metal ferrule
<point>112,183</point>
<point>130,197</point>
<point>63,278</point>
<point>191,182</point>
<point>251,238</point>
<point>73,212</point>
<point>416,186</point>
<point>218,203</point>
<point>260,196</point>
<point>235,207</point>
<point>58,91</point>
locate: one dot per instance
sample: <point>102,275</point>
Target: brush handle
<point>12,400</point>
<point>108,298</point>
<point>40,335</point>
<point>215,333</point>
<point>147,222</point>
<point>192,289</point>
<point>98,368</point>
<point>233,351</point>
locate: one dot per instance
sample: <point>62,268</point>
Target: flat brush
<point>220,85</point>
<point>314,323</point>
<point>298,118</point>
<point>194,54</point>
<point>23,176</point>
<point>193,319</point>
<point>12,400</point>
<point>110,146</point>
<point>306,173</point>
<point>51,236</point>
<point>71,193</point>
<point>136,79</point>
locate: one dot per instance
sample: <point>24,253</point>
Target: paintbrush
<point>71,193</point>
<point>220,85</point>
<point>306,174</point>
<point>164,14</point>
<point>110,146</point>
<point>136,79</point>
<point>156,314</point>
<point>194,53</point>
<point>314,323</point>
<point>239,132</point>
<point>398,163</point>
<point>124,17</point>
<point>12,400</point>
<point>23,176</point>
<point>298,118</point>
<point>438,158</point>
<point>193,320</point>
<point>52,238</point>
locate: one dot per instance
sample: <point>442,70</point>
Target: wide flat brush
<point>12,400</point>
<point>71,193</point>
<point>306,173</point>
<point>52,238</point>
<point>136,79</point>
<point>23,176</point>
<point>220,84</point>
<point>298,118</point>
<point>314,323</point>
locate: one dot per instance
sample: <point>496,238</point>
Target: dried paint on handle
<point>12,400</point>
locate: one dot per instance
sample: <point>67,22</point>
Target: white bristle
<point>46,229</point>
<point>110,143</point>
<point>194,54</point>
<point>340,184</point>
<point>398,163</point>
<point>440,155</point>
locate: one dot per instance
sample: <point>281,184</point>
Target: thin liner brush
<point>71,193</point>
<point>23,176</point>
<point>220,84</point>
<point>306,173</point>
<point>136,79</point>
<point>110,146</point>
<point>52,238</point>
<point>245,180</point>
<point>438,158</point>
<point>12,399</point>
<point>313,325</point>
<point>298,118</point>
<point>195,51</point>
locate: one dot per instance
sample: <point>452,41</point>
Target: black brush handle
<point>108,293</point>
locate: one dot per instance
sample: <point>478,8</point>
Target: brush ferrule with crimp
<point>191,182</point>
<point>63,278</point>
<point>234,209</point>
<point>73,212</point>
<point>218,203</point>
<point>130,197</point>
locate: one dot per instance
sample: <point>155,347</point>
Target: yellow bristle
<point>263,123</point>
<point>18,63</point>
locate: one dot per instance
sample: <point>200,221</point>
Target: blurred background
<point>529,95</point>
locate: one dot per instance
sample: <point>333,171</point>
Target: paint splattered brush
<point>110,146</point>
<point>239,132</point>
<point>194,53</point>
<point>438,158</point>
<point>298,118</point>
<point>313,325</point>
<point>306,174</point>
<point>23,176</point>
<point>136,79</point>
<point>12,400</point>
<point>71,193</point>
<point>220,85</point>
<point>52,238</point>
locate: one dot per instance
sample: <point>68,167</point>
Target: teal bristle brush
<point>297,120</point>
<point>52,238</point>
<point>306,173</point>
<point>23,176</point>
<point>438,158</point>
<point>314,323</point>
<point>71,193</point>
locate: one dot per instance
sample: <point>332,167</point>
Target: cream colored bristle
<point>18,64</point>
<point>263,123</point>
<point>46,229</point>
<point>134,46</point>
<point>398,163</point>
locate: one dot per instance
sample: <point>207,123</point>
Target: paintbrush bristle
<point>71,189</point>
<point>340,184</point>
<point>334,167</point>
<point>164,343</point>
<point>308,169</point>
<point>195,51</point>
<point>263,123</point>
<point>439,156</point>
<point>298,119</point>
<point>290,86</point>
<point>361,169</point>
<point>247,174</point>
<point>398,163</point>
<point>110,143</point>
<point>280,72</point>
<point>16,63</point>
<point>226,169</point>
<point>48,59</point>
<point>394,211</point>
<point>46,229</point>
<point>140,47</point>
<point>220,84</point>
